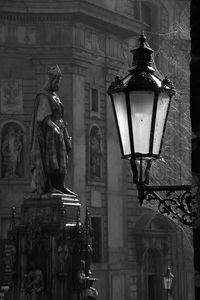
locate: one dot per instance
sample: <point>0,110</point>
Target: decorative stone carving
<point>49,260</point>
<point>26,35</point>
<point>12,147</point>
<point>33,285</point>
<point>81,255</point>
<point>11,96</point>
<point>95,140</point>
<point>49,208</point>
<point>90,40</point>
<point>63,253</point>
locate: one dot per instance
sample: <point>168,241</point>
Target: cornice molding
<point>78,10</point>
<point>74,66</point>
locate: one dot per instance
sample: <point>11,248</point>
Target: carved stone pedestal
<point>50,209</point>
<point>53,252</point>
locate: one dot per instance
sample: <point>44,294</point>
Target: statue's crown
<point>54,72</point>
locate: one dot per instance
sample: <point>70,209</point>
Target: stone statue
<point>63,253</point>
<point>82,280</point>
<point>11,152</point>
<point>50,141</point>
<point>33,285</point>
<point>91,293</point>
<point>83,283</point>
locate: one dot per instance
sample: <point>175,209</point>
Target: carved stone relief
<point>90,40</point>
<point>11,96</point>
<point>12,151</point>
<point>26,35</point>
<point>95,141</point>
<point>63,252</point>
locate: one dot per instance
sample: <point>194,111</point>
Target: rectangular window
<point>97,240</point>
<point>94,100</point>
<point>2,259</point>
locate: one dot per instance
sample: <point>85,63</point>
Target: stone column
<point>115,200</point>
<point>76,75</point>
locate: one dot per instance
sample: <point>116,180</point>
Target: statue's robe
<point>48,148</point>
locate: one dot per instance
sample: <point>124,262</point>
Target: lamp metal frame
<point>175,201</point>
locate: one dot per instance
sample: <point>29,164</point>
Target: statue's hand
<point>61,124</point>
<point>54,126</point>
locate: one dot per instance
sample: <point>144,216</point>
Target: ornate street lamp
<point>168,278</point>
<point>141,102</point>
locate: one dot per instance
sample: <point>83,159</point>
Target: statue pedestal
<point>45,244</point>
<point>50,208</point>
<point>51,250</point>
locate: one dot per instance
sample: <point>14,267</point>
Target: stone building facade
<point>91,43</point>
<point>195,108</point>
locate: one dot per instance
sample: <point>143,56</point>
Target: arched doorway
<point>159,243</point>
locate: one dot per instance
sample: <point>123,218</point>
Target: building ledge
<point>85,12</point>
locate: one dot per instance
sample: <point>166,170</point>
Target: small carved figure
<point>11,96</point>
<point>82,280</point>
<point>50,141</point>
<point>33,285</point>
<point>63,253</point>
<point>86,290</point>
<point>12,258</point>
<point>91,293</point>
<point>88,259</point>
<point>11,152</point>
<point>95,153</point>
<point>11,92</point>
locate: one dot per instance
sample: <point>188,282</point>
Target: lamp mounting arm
<point>174,201</point>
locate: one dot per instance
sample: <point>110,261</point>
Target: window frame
<point>92,112</point>
<point>100,237</point>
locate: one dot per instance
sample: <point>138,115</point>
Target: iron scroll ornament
<point>174,201</point>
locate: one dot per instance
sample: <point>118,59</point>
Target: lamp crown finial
<point>142,39</point>
<point>142,56</point>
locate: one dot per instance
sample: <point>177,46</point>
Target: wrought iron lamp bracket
<point>174,201</point>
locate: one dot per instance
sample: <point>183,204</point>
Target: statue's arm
<point>53,125</point>
<point>44,113</point>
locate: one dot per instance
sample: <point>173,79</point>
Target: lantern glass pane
<point>161,114</point>
<point>141,103</point>
<point>167,282</point>
<point>119,101</point>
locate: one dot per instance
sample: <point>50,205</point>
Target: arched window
<point>95,153</point>
<point>146,14</point>
<point>164,20</point>
<point>150,17</point>
<point>12,151</point>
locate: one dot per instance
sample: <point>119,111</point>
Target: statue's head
<point>54,72</point>
<point>54,77</point>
